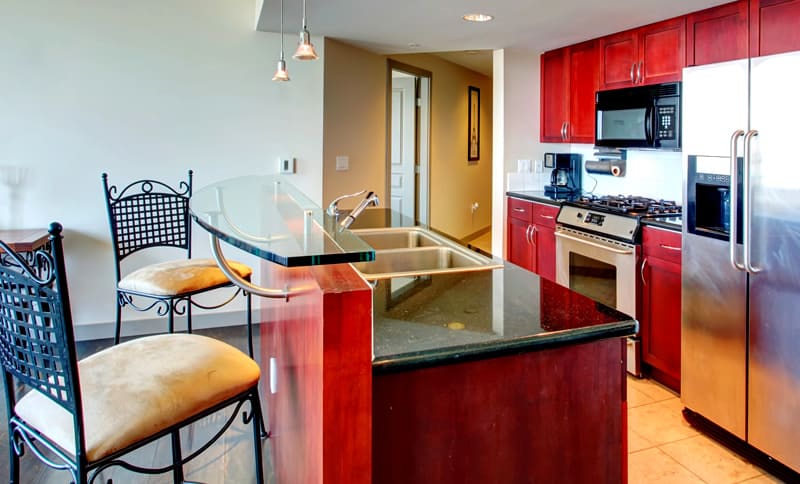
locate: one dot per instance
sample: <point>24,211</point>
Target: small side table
<point>25,242</point>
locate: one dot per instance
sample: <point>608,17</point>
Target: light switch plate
<point>287,165</point>
<point>342,163</point>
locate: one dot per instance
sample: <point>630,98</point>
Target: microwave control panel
<point>665,122</point>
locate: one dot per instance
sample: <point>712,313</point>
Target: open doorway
<point>408,149</point>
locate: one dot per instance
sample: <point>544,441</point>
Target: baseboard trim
<point>142,327</point>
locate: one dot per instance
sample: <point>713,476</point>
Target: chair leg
<point>171,317</point>
<point>258,426</point>
<point>13,464</point>
<point>189,315</point>
<point>117,328</point>
<point>250,323</point>
<point>177,467</point>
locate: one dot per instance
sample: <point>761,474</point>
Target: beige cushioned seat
<point>136,389</point>
<point>181,276</point>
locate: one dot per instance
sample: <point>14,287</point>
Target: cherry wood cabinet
<point>531,236</point>
<point>568,82</point>
<point>717,34</point>
<point>774,26</point>
<point>660,310</point>
<point>648,55</point>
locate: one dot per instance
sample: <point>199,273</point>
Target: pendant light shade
<point>305,49</point>
<point>281,74</point>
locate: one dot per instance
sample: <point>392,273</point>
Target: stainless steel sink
<point>413,251</point>
<point>399,238</point>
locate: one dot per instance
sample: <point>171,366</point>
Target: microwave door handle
<point>734,201</point>
<point>648,124</point>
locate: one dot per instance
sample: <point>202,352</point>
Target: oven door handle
<point>594,244</point>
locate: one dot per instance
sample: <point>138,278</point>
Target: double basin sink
<point>415,251</point>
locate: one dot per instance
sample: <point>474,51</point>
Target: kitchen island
<point>485,376</point>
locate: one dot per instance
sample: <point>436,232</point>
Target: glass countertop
<point>270,218</point>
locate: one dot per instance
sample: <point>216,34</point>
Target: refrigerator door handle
<point>734,191</point>
<point>747,208</point>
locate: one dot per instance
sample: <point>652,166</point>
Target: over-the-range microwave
<point>639,117</point>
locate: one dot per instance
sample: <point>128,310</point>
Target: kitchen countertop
<point>539,196</point>
<point>669,223</point>
<point>450,318</point>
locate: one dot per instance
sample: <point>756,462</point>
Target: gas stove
<point>617,217</point>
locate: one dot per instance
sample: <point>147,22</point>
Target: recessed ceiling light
<point>477,17</point>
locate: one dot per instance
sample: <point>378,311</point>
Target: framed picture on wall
<point>474,124</point>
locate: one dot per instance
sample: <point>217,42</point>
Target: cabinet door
<point>554,96</point>
<point>717,34</point>
<point>584,69</point>
<point>661,319</point>
<point>774,26</point>
<point>545,245</point>
<point>618,60</point>
<point>662,51</point>
<point>519,247</point>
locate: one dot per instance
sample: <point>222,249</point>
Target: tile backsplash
<point>654,174</point>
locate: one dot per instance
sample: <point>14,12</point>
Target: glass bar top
<point>270,218</point>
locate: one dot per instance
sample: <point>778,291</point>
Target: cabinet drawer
<point>663,244</point>
<point>544,215</point>
<point>520,209</point>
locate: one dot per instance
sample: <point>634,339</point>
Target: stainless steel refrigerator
<point>740,362</point>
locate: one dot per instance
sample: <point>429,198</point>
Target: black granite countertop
<point>449,318</point>
<point>670,223</point>
<point>540,196</point>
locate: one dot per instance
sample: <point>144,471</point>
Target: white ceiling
<point>435,26</point>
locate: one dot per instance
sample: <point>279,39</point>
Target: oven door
<point>599,268</point>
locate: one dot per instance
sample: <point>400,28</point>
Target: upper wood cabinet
<point>648,55</point>
<point>568,81</point>
<point>774,26</point>
<point>717,34</point>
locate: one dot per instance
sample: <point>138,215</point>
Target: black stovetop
<point>629,205</point>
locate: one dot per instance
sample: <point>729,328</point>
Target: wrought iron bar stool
<point>149,213</point>
<point>89,415</point>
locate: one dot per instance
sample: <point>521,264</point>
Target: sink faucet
<point>333,208</point>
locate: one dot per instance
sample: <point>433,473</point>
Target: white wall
<point>145,89</point>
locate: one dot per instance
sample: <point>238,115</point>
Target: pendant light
<point>281,74</point>
<point>305,49</point>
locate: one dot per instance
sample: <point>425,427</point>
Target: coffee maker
<point>565,178</point>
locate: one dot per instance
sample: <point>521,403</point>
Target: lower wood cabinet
<point>531,236</point>
<point>660,305</point>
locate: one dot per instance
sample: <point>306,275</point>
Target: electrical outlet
<point>287,165</point>
<point>342,163</point>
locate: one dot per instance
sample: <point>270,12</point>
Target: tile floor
<point>664,449</point>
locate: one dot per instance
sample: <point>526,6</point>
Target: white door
<point>403,147</point>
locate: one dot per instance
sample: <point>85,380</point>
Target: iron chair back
<point>148,213</point>
<point>37,343</point>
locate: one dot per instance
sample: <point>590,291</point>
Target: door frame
<point>393,65</point>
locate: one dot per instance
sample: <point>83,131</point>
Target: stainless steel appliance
<point>565,178</point>
<point>639,117</point>
<point>740,364</point>
<point>598,246</point>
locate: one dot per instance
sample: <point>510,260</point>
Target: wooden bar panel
<point>546,416</point>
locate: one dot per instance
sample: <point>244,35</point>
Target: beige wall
<point>355,125</point>
<point>354,122</point>
<point>456,184</point>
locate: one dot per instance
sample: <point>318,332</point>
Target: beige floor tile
<point>636,442</point>
<point>637,398</point>
<point>660,422</point>
<point>650,388</point>
<point>763,479</point>
<point>709,460</point>
<point>652,466</point>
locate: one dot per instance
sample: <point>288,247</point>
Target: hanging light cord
<point>305,26</point>
<point>282,30</point>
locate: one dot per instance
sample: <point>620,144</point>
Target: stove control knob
<point>580,215</point>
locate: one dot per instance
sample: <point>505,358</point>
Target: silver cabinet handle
<point>670,247</point>
<point>533,234</point>
<point>747,206</point>
<point>633,69</point>
<point>644,263</point>
<point>734,191</point>
<point>520,210</point>
<point>548,217</point>
<point>639,73</point>
<point>528,235</point>
<point>564,131</point>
